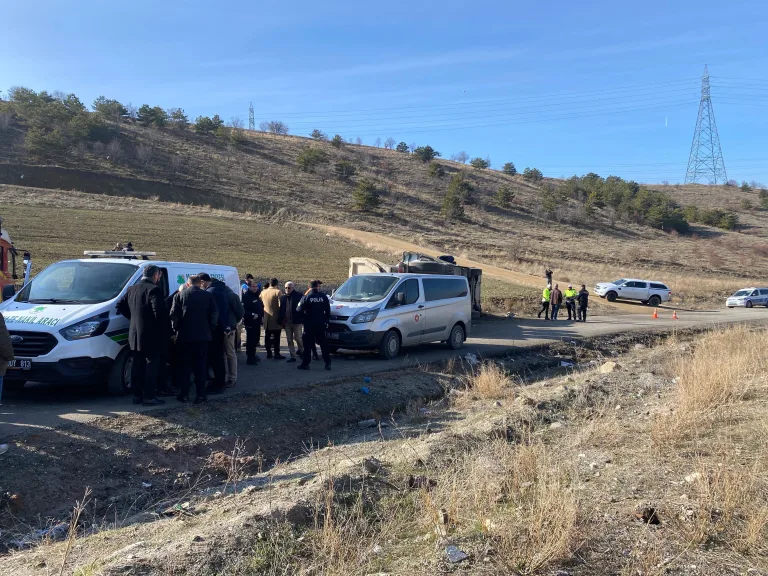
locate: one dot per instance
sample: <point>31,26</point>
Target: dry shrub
<point>490,382</point>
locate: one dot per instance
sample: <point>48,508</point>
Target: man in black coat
<point>254,313</point>
<point>583,300</point>
<point>222,349</point>
<point>316,311</point>
<point>292,320</point>
<point>144,305</point>
<point>194,316</point>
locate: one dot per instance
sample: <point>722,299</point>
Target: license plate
<point>20,365</point>
<point>332,335</point>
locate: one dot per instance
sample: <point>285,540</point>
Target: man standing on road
<point>557,301</point>
<point>316,308</point>
<point>272,328</point>
<point>583,300</point>
<point>570,302</point>
<point>546,296</point>
<point>291,320</point>
<point>194,317</point>
<point>144,305</point>
<point>254,312</point>
<point>223,358</point>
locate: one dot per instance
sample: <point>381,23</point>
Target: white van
<point>385,311</point>
<point>64,324</point>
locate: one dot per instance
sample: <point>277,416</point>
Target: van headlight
<point>95,326</point>
<point>365,317</point>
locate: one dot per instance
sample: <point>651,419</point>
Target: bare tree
<point>144,154</point>
<point>377,142</point>
<point>460,157</point>
<point>359,141</point>
<point>114,151</point>
<point>5,120</point>
<point>236,123</point>
<point>177,161</point>
<point>98,148</point>
<point>277,127</point>
<point>264,126</point>
<point>411,147</point>
<point>389,143</point>
<point>131,111</point>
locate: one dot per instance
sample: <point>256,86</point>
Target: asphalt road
<point>46,406</point>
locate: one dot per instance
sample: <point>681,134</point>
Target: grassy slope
<point>265,170</point>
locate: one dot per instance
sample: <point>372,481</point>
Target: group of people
<point>552,301</point>
<point>196,328</point>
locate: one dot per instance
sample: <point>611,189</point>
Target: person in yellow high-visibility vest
<point>546,296</point>
<point>570,301</point>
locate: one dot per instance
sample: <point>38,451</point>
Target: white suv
<point>646,291</point>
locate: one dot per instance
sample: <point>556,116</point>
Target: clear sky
<point>568,87</point>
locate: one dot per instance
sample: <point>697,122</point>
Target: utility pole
<point>705,162</point>
<point>251,118</point>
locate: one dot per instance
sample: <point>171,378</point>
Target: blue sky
<point>569,87</point>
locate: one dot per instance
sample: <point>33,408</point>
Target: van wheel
<point>119,379</point>
<point>611,296</point>
<point>390,345</point>
<point>456,339</point>
<point>654,301</point>
<point>748,304</point>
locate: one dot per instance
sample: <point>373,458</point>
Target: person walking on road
<point>546,296</point>
<point>223,358</point>
<point>144,305</point>
<point>557,301</point>
<point>254,313</point>
<point>291,320</point>
<point>195,318</point>
<point>583,300</point>
<point>570,302</point>
<point>548,275</point>
<point>316,309</point>
<point>272,328</point>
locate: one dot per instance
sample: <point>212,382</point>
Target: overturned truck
<point>416,263</point>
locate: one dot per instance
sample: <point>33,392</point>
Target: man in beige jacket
<point>272,327</point>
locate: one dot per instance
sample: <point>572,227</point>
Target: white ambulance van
<point>64,324</point>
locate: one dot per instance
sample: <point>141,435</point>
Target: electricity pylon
<point>706,159</point>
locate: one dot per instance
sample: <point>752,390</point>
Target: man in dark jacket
<point>222,350</point>
<point>144,305</point>
<point>316,310</point>
<point>583,300</point>
<point>291,320</point>
<point>254,312</point>
<point>194,317</point>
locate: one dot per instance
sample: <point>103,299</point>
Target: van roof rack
<point>127,254</point>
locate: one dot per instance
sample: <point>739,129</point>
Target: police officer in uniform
<point>316,309</point>
<point>570,302</point>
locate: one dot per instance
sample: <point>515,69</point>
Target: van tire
<point>457,337</point>
<point>654,300</point>
<point>389,347</point>
<point>611,296</point>
<point>748,304</point>
<point>119,379</point>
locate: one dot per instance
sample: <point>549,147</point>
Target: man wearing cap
<point>291,320</point>
<point>570,302</point>
<point>316,310</point>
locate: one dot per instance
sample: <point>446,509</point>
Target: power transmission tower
<point>251,118</point>
<point>706,159</point>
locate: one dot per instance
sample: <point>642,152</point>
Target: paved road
<point>40,406</point>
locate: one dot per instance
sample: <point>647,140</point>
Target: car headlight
<point>365,317</point>
<point>95,326</point>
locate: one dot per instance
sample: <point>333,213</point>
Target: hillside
<point>260,175</point>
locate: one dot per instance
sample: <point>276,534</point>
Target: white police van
<point>64,324</point>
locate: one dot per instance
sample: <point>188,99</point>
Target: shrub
<point>426,153</point>
<point>533,175</point>
<point>745,187</point>
<point>337,141</point>
<point>763,195</point>
<point>402,147</point>
<point>459,193</point>
<point>204,125</point>
<point>479,163</point>
<point>318,135</point>
<point>152,116</point>
<point>344,169</point>
<point>309,158</point>
<point>365,196</point>
<point>505,195</point>
<point>110,109</point>
<point>178,118</point>
<point>746,204</point>
<point>509,168</point>
<point>436,170</point>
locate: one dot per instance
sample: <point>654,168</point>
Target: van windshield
<point>77,283</point>
<point>365,288</point>
<point>742,293</point>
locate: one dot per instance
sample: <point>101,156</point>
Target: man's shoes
<point>327,366</point>
<point>279,357</point>
<point>183,399</point>
<point>230,384</point>
<point>167,392</point>
<point>200,400</point>
<point>3,449</point>
<point>214,390</point>
<point>138,400</point>
<point>303,367</point>
<point>252,360</point>
<point>315,356</point>
<point>269,356</point>
<point>290,360</point>
<point>153,402</point>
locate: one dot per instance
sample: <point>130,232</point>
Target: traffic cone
<point>655,314</point>
<point>674,315</point>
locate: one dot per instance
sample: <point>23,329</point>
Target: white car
<point>649,292</point>
<point>748,297</point>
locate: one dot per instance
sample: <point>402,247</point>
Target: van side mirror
<point>400,297</point>
<point>9,290</point>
